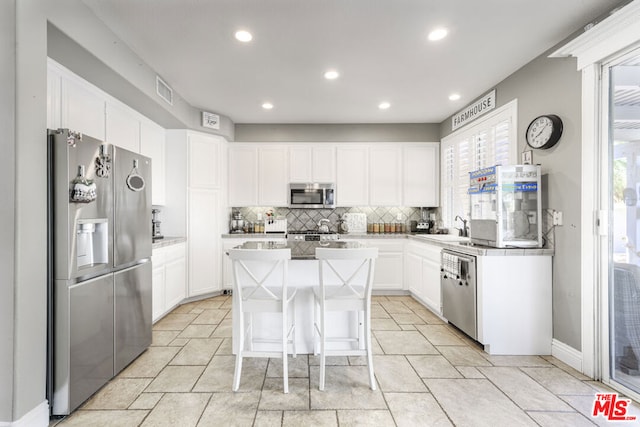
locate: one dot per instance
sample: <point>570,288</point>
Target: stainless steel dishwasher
<point>458,283</point>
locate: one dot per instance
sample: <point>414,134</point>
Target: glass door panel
<point>624,206</point>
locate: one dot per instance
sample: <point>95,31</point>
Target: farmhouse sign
<point>475,110</point>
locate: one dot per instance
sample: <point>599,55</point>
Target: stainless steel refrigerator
<point>99,264</point>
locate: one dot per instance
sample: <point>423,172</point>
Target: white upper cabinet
<point>312,164</point>
<point>153,144</point>
<point>385,178</point>
<point>243,175</point>
<point>205,156</point>
<point>82,109</point>
<point>272,176</point>
<point>420,175</point>
<point>352,183</point>
<point>123,128</point>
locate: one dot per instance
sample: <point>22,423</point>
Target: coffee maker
<point>155,225</point>
<point>237,223</point>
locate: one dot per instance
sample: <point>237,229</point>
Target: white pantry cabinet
<point>420,175</point>
<point>202,236</point>
<point>385,175</point>
<point>168,278</point>
<point>312,163</point>
<point>352,175</point>
<point>205,158</point>
<point>152,144</point>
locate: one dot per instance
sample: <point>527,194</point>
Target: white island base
<point>303,275</point>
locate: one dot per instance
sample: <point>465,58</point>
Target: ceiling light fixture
<point>243,36</point>
<point>454,97</point>
<point>384,105</point>
<point>438,34</point>
<point>267,106</point>
<point>331,75</point>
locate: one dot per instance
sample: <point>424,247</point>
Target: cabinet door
<point>243,176</point>
<point>152,144</point>
<point>352,176</point>
<point>300,161</point>
<point>323,164</point>
<point>413,273</point>
<point>158,307</point>
<point>420,175</point>
<point>384,176</point>
<point>175,275</point>
<point>431,284</point>
<point>83,109</point>
<point>123,129</point>
<point>273,178</point>
<point>227,273</point>
<point>203,232</point>
<point>205,154</point>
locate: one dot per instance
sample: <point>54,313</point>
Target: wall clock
<point>544,131</point>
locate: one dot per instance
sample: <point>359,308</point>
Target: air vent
<point>164,91</point>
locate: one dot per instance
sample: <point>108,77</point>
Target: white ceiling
<point>379,47</point>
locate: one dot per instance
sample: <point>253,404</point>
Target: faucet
<point>323,225</point>
<point>464,231</point>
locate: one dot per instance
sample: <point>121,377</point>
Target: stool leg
<point>367,337</point>
<point>322,347</point>
<point>238,370</point>
<point>285,342</point>
<point>293,327</point>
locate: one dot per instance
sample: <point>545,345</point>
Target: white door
<point>352,187</point>
<point>203,243</point>
<point>385,177</point>
<point>273,179</point>
<point>420,183</point>
<point>123,128</point>
<point>243,175</point>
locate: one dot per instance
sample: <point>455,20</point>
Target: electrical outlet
<point>399,216</point>
<point>557,218</point>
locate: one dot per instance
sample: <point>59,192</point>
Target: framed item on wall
<point>527,157</point>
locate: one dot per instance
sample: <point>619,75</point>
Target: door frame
<point>605,41</point>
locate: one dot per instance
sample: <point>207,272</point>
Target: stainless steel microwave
<point>312,195</point>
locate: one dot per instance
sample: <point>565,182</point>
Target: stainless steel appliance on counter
<point>99,291</point>
<point>506,207</point>
<point>312,195</point>
<point>458,283</point>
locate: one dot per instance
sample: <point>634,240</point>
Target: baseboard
<point>567,354</point>
<point>37,417</point>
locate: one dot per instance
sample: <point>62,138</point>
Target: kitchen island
<point>303,274</point>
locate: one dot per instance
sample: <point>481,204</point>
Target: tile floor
<point>428,374</point>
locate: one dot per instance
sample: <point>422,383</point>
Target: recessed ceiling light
<point>244,36</point>
<point>267,106</point>
<point>384,105</point>
<point>454,96</point>
<point>331,75</point>
<point>438,34</point>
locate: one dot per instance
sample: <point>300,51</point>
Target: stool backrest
<point>352,267</point>
<point>253,269</point>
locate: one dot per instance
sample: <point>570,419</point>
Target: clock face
<point>544,131</point>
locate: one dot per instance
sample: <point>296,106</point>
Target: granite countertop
<point>301,250</point>
<point>167,241</point>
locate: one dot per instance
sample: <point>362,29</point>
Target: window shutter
<point>488,143</point>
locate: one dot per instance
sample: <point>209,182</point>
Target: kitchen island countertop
<point>301,250</point>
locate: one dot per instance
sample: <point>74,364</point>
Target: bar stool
<point>346,280</point>
<point>260,286</point>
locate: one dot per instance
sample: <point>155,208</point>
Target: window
<point>491,141</point>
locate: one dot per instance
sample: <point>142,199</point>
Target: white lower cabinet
<point>203,230</point>
<point>388,274</point>
<point>422,272</point>
<point>169,278</point>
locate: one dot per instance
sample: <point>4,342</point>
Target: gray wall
<point>96,54</point>
<point>403,132</point>
<point>7,194</point>
<point>553,86</point>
